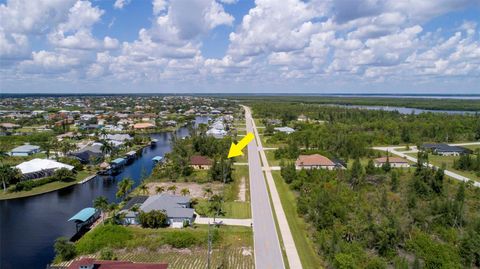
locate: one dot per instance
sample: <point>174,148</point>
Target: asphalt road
<point>266,243</point>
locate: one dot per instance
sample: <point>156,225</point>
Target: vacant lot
<point>232,246</point>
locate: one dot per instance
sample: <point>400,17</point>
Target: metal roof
<point>118,161</point>
<point>25,148</point>
<point>84,214</point>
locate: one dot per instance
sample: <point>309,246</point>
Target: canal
<point>29,226</point>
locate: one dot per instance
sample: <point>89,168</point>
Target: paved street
<point>289,244</point>
<point>266,243</point>
<point>395,150</point>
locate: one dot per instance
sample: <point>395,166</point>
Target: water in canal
<point>29,226</point>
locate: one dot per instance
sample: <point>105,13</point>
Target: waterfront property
<point>25,150</point>
<point>177,208</point>
<point>85,217</point>
<point>314,161</point>
<point>200,162</point>
<point>38,168</point>
<point>89,153</point>
<point>445,149</point>
<point>395,162</point>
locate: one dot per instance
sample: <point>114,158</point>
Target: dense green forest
<point>349,133</point>
<point>378,218</point>
<point>421,103</point>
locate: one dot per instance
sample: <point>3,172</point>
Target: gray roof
<point>25,148</point>
<point>171,204</point>
<point>446,148</point>
<point>96,148</point>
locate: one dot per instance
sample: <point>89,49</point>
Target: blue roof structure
<point>84,214</point>
<point>157,158</point>
<point>118,161</point>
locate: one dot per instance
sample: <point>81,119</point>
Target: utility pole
<point>209,247</point>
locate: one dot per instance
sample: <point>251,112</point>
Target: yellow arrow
<point>236,150</point>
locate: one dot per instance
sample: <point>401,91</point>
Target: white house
<point>38,168</point>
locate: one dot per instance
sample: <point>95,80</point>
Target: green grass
<point>298,227</point>
<point>237,210</point>
<point>53,186</point>
<point>472,147</point>
<point>151,245</point>
<point>198,176</point>
<point>448,162</point>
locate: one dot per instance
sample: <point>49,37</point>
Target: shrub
<point>181,239</point>
<point>63,174</point>
<point>64,249</point>
<point>153,219</point>
<point>30,184</point>
<point>103,236</point>
<point>107,254</point>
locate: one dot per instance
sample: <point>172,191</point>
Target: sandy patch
<point>196,190</point>
<point>242,190</point>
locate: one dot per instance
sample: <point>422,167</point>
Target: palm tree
<point>106,148</point>
<point>207,191</point>
<point>172,188</point>
<point>159,189</point>
<point>216,206</point>
<point>103,133</point>
<point>124,187</point>
<point>9,175</point>
<point>47,146</point>
<point>101,203</point>
<point>144,189</point>
<point>184,191</point>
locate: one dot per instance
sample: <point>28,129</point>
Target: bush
<point>64,249</point>
<point>103,236</point>
<point>180,239</point>
<point>107,254</point>
<point>153,219</point>
<point>63,174</point>
<point>30,184</point>
<point>78,166</point>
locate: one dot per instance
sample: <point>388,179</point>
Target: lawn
<point>44,188</point>
<point>232,247</point>
<point>274,162</point>
<point>298,227</point>
<point>448,162</point>
<point>237,210</point>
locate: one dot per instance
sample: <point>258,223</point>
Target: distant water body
<point>402,110</point>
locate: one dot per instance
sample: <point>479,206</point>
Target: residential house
<point>200,162</point>
<point>395,162</point>
<point>177,208</point>
<point>286,130</point>
<point>143,125</point>
<point>38,168</point>
<point>89,153</point>
<point>302,118</point>
<point>314,161</point>
<point>445,149</point>
<point>25,150</point>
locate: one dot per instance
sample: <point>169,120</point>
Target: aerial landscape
<point>242,134</point>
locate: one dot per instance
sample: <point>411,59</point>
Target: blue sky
<point>288,46</point>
